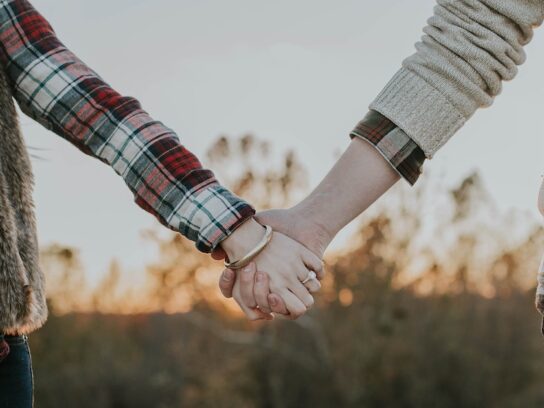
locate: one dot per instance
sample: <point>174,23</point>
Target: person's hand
<point>252,291</point>
<point>287,264</point>
<point>337,200</point>
<point>253,285</point>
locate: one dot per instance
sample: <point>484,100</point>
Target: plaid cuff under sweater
<point>404,155</point>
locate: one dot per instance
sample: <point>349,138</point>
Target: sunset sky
<point>297,73</point>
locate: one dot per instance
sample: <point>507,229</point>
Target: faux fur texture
<point>22,283</point>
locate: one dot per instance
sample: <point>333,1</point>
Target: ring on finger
<point>311,275</point>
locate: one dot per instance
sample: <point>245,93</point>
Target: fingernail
<point>272,300</point>
<point>260,276</point>
<point>247,269</point>
<point>228,274</point>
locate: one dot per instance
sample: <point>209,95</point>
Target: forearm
<point>358,178</point>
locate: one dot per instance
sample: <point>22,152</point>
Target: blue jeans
<point>16,376</point>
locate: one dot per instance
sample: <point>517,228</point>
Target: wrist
<point>243,239</point>
<point>317,222</point>
<point>313,233</point>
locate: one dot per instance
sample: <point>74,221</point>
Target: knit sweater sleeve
<point>468,49</point>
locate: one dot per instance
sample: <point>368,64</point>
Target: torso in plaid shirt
<point>58,90</point>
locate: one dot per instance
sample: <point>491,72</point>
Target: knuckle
<point>279,309</point>
<point>250,303</point>
<point>262,278</point>
<point>247,277</point>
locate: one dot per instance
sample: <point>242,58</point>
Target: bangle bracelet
<point>247,258</point>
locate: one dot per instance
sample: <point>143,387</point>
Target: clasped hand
<point>272,282</point>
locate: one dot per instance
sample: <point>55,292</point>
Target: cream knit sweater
<point>468,49</point>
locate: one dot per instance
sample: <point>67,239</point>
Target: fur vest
<point>22,284</point>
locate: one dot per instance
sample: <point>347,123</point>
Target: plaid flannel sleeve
<point>404,155</point>
<point>58,90</point>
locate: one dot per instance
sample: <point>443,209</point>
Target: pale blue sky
<point>297,73</point>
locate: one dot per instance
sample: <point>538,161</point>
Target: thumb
<point>226,282</point>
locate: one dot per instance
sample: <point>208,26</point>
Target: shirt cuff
<point>210,215</point>
<point>400,151</point>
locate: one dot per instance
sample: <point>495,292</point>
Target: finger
<point>314,263</point>
<point>293,304</point>
<point>251,313</point>
<point>313,286</point>
<point>261,291</point>
<point>247,283</point>
<point>219,254</point>
<point>304,276</point>
<point>254,314</point>
<point>277,304</point>
<point>300,291</point>
<point>226,282</point>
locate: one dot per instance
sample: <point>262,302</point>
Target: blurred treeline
<point>430,304</point>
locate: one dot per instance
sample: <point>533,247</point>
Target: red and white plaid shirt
<point>58,90</point>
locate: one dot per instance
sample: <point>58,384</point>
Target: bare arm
<point>356,180</point>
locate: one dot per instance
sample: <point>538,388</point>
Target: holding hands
<point>280,278</point>
<point>301,235</point>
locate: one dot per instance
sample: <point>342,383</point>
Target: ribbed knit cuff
<point>418,108</point>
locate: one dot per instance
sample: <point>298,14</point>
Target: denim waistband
<point>6,340</point>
